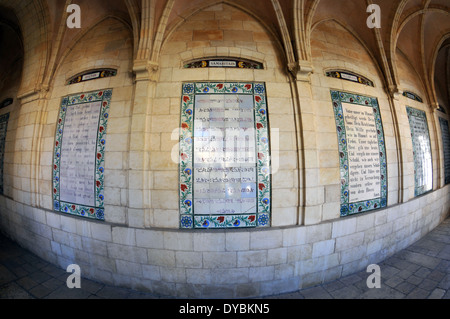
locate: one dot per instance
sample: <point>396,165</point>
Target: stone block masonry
<point>199,264</point>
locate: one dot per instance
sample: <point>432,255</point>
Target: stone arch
<point>226,31</point>
<point>11,56</point>
<point>359,40</point>
<point>34,24</point>
<point>336,46</point>
<point>134,13</point>
<point>410,15</point>
<point>11,64</point>
<point>85,32</point>
<point>108,43</point>
<point>435,53</point>
<point>413,81</point>
<point>163,37</point>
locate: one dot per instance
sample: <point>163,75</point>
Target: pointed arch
<point>164,31</point>
<point>161,30</point>
<point>399,25</point>
<point>436,48</point>
<point>82,34</point>
<point>359,40</point>
<point>287,43</point>
<point>134,12</point>
<point>34,21</point>
<point>414,70</point>
<point>309,26</point>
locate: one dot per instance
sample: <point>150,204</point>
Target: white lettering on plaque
<point>422,151</point>
<point>91,76</point>
<point>363,152</point>
<point>222,63</point>
<point>78,151</point>
<point>349,77</point>
<point>225,171</point>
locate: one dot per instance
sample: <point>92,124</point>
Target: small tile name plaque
<point>446,147</point>
<point>348,76</point>
<point>224,63</point>
<point>92,75</point>
<point>412,96</point>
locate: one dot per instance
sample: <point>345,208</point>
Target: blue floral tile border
<point>347,207</point>
<point>423,165</point>
<point>4,127</point>
<point>188,218</point>
<point>445,133</point>
<point>96,211</point>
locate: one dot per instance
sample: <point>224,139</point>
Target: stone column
<point>27,150</point>
<point>311,192</point>
<point>139,174</point>
<point>438,156</point>
<point>404,155</point>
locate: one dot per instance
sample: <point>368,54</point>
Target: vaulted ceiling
<point>417,29</point>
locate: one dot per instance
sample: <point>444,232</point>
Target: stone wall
<point>225,32</point>
<point>107,45</point>
<point>140,245</point>
<point>222,264</point>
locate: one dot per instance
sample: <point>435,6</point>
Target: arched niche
<point>335,46</point>
<point>11,66</point>
<point>107,45</point>
<point>228,32</point>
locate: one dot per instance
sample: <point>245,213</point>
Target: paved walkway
<point>420,271</point>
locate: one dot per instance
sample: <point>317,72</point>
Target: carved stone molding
<point>145,70</point>
<point>301,70</point>
<point>394,92</point>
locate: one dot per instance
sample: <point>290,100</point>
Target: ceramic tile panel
<point>79,154</point>
<point>224,63</point>
<point>362,154</point>
<point>423,166</point>
<point>92,75</point>
<point>349,76</point>
<point>446,147</point>
<point>224,166</point>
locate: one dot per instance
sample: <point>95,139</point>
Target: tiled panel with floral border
<point>3,129</point>
<point>261,213</point>
<point>445,133</point>
<point>95,210</point>
<point>349,207</point>
<point>423,166</point>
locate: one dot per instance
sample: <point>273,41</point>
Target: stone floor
<point>420,271</point>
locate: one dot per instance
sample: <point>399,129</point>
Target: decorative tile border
<point>423,183</point>
<point>92,75</point>
<point>347,207</point>
<point>224,63</point>
<point>412,96</point>
<point>96,211</point>
<point>443,123</point>
<point>188,218</point>
<point>3,129</point>
<point>349,76</point>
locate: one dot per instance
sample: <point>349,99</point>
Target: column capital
<point>301,70</point>
<point>394,92</point>
<point>145,70</point>
<point>434,106</point>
